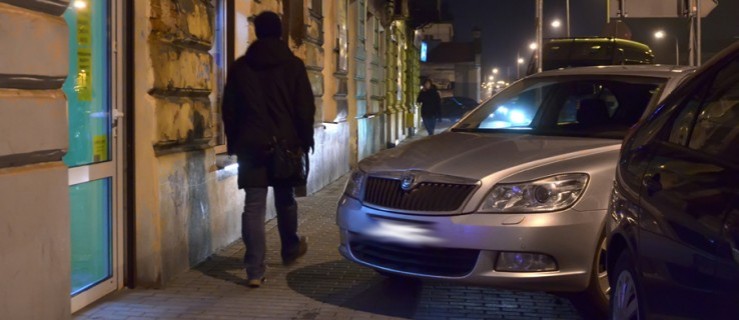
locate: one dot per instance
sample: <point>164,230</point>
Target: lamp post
<point>539,33</point>
<point>568,18</point>
<point>661,34</point>
<point>519,62</point>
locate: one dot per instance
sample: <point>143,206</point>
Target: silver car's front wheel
<point>600,269</point>
<point>625,294</point>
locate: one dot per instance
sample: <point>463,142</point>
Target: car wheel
<point>626,295</point>
<point>599,289</point>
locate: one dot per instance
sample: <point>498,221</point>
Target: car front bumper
<point>569,236</point>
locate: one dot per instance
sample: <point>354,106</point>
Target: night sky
<point>508,27</point>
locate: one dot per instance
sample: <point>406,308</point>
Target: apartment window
<point>220,62</point>
<point>293,21</point>
<point>317,7</point>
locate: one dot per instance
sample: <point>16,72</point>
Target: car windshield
<point>580,106</point>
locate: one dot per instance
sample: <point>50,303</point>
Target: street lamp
<point>533,46</point>
<point>661,34</point>
<point>80,4</point>
<point>556,24</point>
<point>519,62</point>
<point>495,71</point>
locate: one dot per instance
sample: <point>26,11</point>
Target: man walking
<point>268,95</point>
<point>430,105</point>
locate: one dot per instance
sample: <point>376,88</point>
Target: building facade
<point>455,67</point>
<point>113,169</point>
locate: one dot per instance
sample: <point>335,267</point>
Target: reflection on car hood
<point>477,155</point>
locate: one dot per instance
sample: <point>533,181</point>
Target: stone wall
<point>186,209</point>
<point>33,138</point>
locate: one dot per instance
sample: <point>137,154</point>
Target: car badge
<point>407,182</point>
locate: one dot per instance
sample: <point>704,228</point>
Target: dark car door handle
<point>652,183</point>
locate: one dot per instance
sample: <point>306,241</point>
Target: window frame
<point>715,93</point>
<point>221,51</point>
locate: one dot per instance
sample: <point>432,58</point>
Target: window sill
<point>220,149</point>
<point>227,166</point>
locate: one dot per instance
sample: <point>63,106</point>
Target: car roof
<point>656,70</point>
<point>596,40</point>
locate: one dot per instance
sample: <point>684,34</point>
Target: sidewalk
<point>322,285</point>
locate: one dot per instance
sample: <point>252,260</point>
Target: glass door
<point>94,185</point>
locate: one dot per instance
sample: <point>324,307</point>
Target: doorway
<point>95,152</point>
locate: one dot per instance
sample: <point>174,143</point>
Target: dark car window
<point>568,114</point>
<point>664,124</point>
<point>716,129</point>
<point>579,106</point>
<point>685,119</point>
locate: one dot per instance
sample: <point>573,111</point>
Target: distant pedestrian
<point>268,95</point>
<point>430,105</point>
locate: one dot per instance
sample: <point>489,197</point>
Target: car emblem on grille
<point>407,182</point>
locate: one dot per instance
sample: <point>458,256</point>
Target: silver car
<point>514,195</point>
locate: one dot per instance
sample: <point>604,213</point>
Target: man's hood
<point>477,155</point>
<point>267,53</point>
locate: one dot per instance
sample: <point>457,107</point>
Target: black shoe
<point>302,249</point>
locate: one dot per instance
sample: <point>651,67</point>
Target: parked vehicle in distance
<point>453,108</point>
<point>514,195</point>
<point>673,222</point>
<point>595,51</point>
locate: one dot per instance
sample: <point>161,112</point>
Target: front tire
<point>626,297</point>
<point>598,291</point>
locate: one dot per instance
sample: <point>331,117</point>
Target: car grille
<point>426,196</point>
<point>447,262</point>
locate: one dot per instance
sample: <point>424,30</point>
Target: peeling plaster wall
<point>332,154</point>
<point>366,117</point>
<point>331,157</point>
<point>185,207</point>
<point>34,235</point>
<point>184,211</point>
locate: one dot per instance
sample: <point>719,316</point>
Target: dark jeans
<point>430,124</point>
<point>253,223</point>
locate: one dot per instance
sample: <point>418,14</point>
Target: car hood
<point>478,155</point>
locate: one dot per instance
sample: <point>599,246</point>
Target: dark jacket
<point>430,103</point>
<point>268,83</point>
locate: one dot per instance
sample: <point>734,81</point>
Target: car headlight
<point>549,194</point>
<point>354,184</point>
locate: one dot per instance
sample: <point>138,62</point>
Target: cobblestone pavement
<point>322,285</point>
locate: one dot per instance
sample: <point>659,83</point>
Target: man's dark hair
<point>268,25</point>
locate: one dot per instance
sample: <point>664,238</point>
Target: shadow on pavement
<point>584,306</point>
<point>217,266</point>
<point>347,285</point>
<point>344,284</point>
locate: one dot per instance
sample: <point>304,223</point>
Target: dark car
<point>673,221</point>
<point>453,108</point>
<point>590,51</point>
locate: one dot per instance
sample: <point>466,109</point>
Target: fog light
<point>524,262</point>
